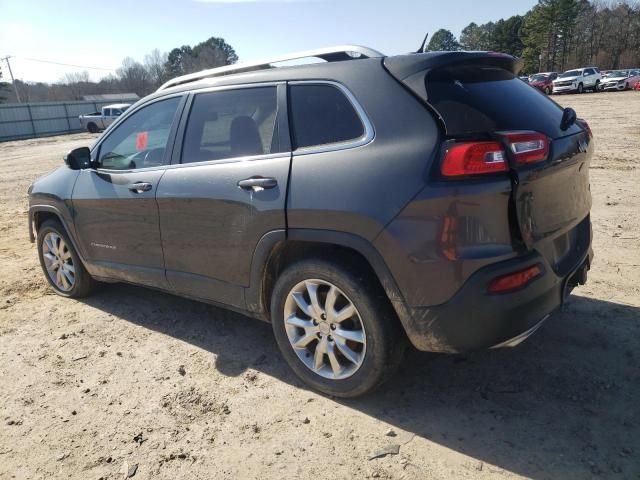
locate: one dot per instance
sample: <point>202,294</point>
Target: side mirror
<point>568,118</point>
<point>78,158</point>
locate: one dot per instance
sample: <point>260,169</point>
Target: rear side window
<point>231,123</point>
<point>321,114</point>
<point>480,100</point>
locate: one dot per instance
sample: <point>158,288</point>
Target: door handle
<point>257,184</point>
<point>140,187</point>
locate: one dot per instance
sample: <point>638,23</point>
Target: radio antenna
<point>423,47</point>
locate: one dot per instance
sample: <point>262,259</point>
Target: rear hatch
<point>478,98</point>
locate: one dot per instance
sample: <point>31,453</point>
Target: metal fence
<point>30,120</point>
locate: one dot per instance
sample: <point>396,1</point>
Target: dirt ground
<point>131,377</point>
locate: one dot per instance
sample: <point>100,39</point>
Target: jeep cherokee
<point>353,203</point>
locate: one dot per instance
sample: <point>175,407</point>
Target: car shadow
<point>564,404</point>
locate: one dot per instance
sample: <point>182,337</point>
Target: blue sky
<point>100,33</point>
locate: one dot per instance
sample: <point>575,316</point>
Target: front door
<point>226,191</point>
<point>116,214</point>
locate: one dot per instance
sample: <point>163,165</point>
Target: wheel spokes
<point>346,351</point>
<point>333,360</point>
<point>318,356</point>
<point>58,261</point>
<point>345,313</point>
<point>305,340</point>
<point>299,322</point>
<point>353,335</point>
<point>312,290</point>
<point>330,302</point>
<point>302,304</point>
<point>324,329</point>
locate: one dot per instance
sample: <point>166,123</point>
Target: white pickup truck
<point>96,121</point>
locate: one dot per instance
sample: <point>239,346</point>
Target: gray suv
<point>353,203</point>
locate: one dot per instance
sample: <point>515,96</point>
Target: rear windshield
<point>480,100</point>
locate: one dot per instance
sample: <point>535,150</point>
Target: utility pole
<point>13,82</point>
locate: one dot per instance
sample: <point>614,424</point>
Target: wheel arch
<point>38,214</point>
<point>276,250</point>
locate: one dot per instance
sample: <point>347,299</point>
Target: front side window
<point>141,140</point>
<point>321,114</point>
<point>231,123</point>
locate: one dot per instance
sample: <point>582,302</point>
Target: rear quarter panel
<point>359,190</point>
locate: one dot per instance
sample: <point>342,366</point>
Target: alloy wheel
<point>58,261</point>
<point>325,329</point>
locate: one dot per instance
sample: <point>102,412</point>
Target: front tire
<point>60,263</point>
<point>580,88</point>
<point>335,328</point>
<point>547,90</point>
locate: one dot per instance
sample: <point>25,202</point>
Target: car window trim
<point>176,157</point>
<point>365,138</point>
<point>170,139</point>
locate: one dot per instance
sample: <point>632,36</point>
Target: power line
<point>65,64</point>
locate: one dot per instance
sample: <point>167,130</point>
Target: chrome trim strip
<point>251,158</point>
<point>323,53</point>
<point>369,131</point>
<point>517,340</point>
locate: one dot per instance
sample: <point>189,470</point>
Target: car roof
<point>117,105</point>
<point>336,59</point>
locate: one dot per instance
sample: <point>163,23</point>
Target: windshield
<point>539,78</point>
<point>571,73</point>
<point>617,73</point>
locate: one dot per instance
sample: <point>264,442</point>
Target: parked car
<point>578,80</point>
<point>543,81</point>
<point>353,204</point>
<point>621,80</point>
<point>524,78</point>
<point>96,121</point>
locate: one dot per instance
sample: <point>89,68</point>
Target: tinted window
<point>107,112</point>
<point>231,123</point>
<point>322,114</point>
<point>140,141</point>
<point>589,71</point>
<point>486,99</point>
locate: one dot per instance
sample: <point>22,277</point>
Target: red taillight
<point>513,281</point>
<point>474,158</point>
<point>528,147</point>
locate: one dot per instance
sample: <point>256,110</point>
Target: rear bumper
<point>474,319</point>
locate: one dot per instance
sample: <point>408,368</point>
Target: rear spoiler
<point>412,69</point>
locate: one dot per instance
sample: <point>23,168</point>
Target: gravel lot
<point>131,377</point>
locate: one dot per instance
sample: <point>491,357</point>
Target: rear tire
<point>60,263</point>
<point>547,90</point>
<point>344,356</point>
<point>92,127</point>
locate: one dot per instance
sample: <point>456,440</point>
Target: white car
<point>578,80</point>
<point>620,80</point>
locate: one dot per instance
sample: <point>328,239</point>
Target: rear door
<point>225,190</point>
<point>116,215</point>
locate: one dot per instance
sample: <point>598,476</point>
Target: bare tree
<point>154,63</point>
<point>134,77</point>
